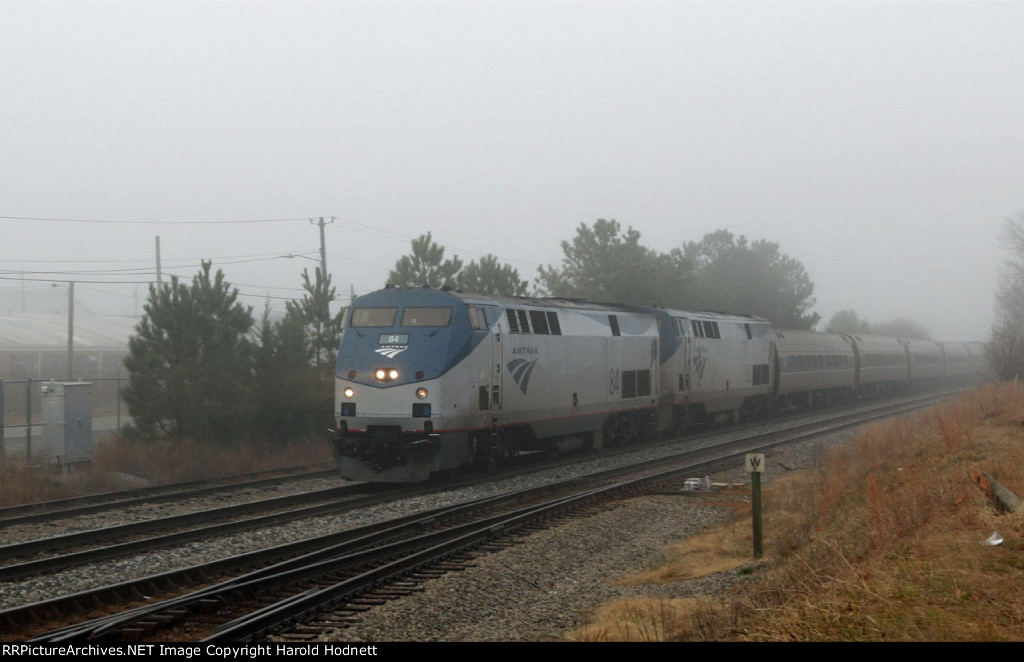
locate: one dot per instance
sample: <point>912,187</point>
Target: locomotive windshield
<point>374,316</point>
<point>427,316</point>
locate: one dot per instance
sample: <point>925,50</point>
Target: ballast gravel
<point>536,590</point>
<point>550,582</point>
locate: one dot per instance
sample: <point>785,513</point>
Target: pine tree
<point>489,277</point>
<point>189,362</point>
<point>313,311</point>
<point>425,266</point>
<point>290,402</point>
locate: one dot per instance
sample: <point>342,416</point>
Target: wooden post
<point>755,466</point>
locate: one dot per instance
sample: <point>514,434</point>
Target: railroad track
<point>125,539</point>
<point>35,513</point>
<point>347,574</point>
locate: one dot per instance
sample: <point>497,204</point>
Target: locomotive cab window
<point>433,316</point>
<point>759,331</point>
<point>477,319</point>
<point>362,317</point>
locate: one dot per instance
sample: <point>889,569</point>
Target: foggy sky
<point>880,144</point>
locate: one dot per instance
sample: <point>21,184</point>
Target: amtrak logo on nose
<point>390,352</point>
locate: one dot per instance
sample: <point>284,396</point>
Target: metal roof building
<point>37,331</point>
<point>35,345</point>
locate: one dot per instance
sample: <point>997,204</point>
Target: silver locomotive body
<point>430,381</point>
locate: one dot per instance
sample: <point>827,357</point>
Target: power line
<point>64,280</point>
<point>395,236</point>
<point>108,292</point>
<point>126,222</point>
<point>351,225</point>
<point>150,260</point>
<point>136,270</point>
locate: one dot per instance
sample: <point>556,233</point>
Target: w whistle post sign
<point>755,466</point>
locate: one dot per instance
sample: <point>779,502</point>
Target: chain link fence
<point>21,414</point>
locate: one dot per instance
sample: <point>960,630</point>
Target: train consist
<point>431,381</point>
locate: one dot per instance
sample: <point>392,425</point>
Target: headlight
<point>385,374</point>
<point>349,392</point>
<point>421,393</point>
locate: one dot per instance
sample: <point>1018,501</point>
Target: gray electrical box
<point>67,423</point>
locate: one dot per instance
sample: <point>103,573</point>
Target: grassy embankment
<point>119,464</point>
<point>883,541</point>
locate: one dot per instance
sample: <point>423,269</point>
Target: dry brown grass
<point>119,464</point>
<point>643,619</point>
<point>704,554</point>
<point>881,542</point>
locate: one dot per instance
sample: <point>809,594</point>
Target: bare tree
<point>1005,348</point>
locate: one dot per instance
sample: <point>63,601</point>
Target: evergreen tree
<point>602,263</point>
<point>189,362</point>
<point>738,276</point>
<point>848,321</point>
<point>489,277</point>
<point>901,328</point>
<point>425,267</point>
<point>313,311</point>
<point>290,402</point>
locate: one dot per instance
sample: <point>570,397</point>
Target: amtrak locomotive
<point>430,381</point>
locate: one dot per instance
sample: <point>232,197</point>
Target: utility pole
<point>159,275</point>
<point>71,330</point>
<point>323,245</point>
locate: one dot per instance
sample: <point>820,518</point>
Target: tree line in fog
<point>603,262</point>
<point>202,366</point>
